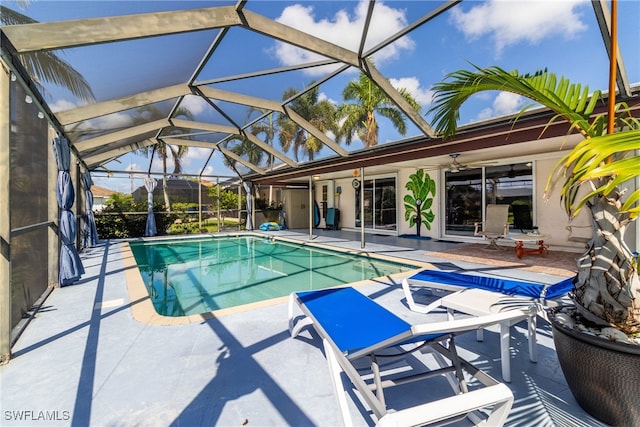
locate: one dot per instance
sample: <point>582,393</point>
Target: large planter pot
<point>603,375</point>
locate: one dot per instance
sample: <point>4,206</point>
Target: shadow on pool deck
<point>84,361</point>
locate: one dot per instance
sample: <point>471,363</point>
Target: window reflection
<point>379,204</point>
<point>505,184</point>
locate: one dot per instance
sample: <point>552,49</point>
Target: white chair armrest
<point>478,226</point>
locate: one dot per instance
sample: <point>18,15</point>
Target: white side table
<point>521,238</point>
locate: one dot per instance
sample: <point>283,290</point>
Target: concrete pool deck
<point>85,361</point>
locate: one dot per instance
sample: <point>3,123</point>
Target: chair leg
<point>335,371</point>
<point>505,356</point>
<point>533,339</point>
<point>296,326</point>
<point>493,245</point>
<point>375,368</point>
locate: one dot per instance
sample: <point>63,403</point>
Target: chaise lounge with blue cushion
<point>479,295</point>
<point>354,328</point>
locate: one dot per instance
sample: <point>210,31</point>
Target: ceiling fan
<point>455,166</point>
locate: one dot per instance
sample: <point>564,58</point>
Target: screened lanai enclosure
<point>259,93</point>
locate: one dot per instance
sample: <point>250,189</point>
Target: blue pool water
<point>194,276</point>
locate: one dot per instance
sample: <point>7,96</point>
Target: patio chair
<point>332,218</point>
<point>483,295</point>
<point>354,327</point>
<point>495,226</point>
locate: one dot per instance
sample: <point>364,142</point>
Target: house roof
<point>98,191</point>
<point>180,56</point>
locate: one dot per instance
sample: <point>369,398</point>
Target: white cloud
<point>111,122</point>
<point>208,170</point>
<point>62,105</point>
<point>505,103</point>
<point>508,103</point>
<point>198,154</point>
<point>512,22</point>
<point>323,97</point>
<point>344,30</point>
<point>412,85</point>
<point>195,104</point>
<point>134,167</point>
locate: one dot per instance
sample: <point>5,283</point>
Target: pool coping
<point>143,311</point>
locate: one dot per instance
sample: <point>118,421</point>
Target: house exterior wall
<point>548,215</point>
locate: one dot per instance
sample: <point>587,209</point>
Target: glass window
<point>463,201</point>
<point>512,185</point>
<point>379,204</point>
<point>505,184</point>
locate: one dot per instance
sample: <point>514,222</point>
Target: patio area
<point>84,361</point>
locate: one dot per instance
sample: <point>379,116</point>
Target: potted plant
<point>271,211</point>
<point>595,337</point>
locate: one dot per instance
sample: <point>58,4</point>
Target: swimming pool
<point>194,276</point>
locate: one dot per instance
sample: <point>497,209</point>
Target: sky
<point>559,35</point>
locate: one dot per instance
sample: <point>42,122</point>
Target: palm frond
<point>607,161</point>
<point>568,100</point>
<point>11,17</point>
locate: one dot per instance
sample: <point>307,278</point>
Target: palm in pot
<point>607,283</point>
<point>601,374</point>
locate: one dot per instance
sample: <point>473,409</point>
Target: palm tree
<point>320,113</point>
<point>246,149</point>
<point>46,66</point>
<point>149,113</point>
<point>266,126</point>
<point>363,100</point>
<point>607,285</point>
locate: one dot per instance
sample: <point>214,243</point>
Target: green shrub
<point>123,218</point>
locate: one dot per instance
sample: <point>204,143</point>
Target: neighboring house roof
<point>101,191</point>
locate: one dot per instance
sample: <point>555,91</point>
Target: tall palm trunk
<point>164,184</point>
<point>607,279</point>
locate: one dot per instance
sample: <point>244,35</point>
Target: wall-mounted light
<point>13,77</point>
<point>40,115</point>
<point>28,99</point>
<point>355,173</point>
<point>316,177</point>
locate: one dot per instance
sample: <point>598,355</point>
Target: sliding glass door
<point>379,204</point>
<point>463,201</point>
<point>469,190</point>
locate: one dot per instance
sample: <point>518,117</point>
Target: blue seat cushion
<point>352,320</point>
<point>493,284</point>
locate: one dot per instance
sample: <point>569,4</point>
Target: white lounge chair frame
<point>480,302</point>
<point>494,397</point>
